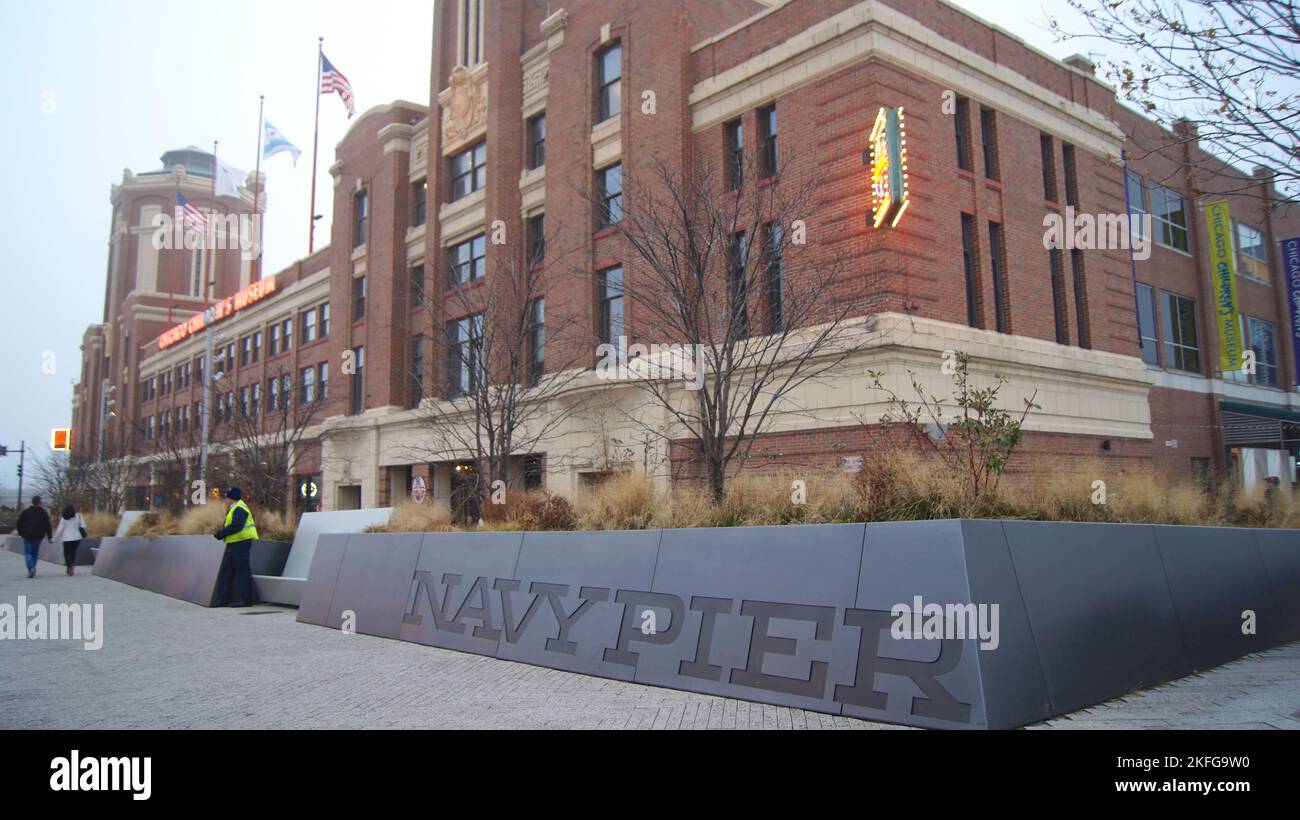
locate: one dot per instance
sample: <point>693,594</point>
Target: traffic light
<point>4,451</point>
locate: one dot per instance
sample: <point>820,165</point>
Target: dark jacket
<point>34,524</point>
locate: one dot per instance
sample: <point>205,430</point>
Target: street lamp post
<point>106,391</point>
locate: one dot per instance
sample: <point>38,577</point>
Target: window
<point>359,381</point>
<point>1169,216</point>
<point>1179,318</point>
<point>767,137</point>
<point>972,273</point>
<point>197,271</point>
<point>962,124</point>
<point>417,370</point>
<point>989,131</point>
<point>244,406</point>
<point>735,155</point>
<point>255,400</point>
<point>358,298</point>
<point>306,385</point>
<point>272,395</point>
<point>322,381</point>
<point>1049,167</point>
<point>609,183</point>
<point>325,320</point>
<point>536,241</point>
<point>273,343</point>
<point>537,142</point>
<point>468,171</point>
<point>1254,255</point>
<point>1081,299</point>
<point>464,355</point>
<point>537,341</point>
<point>257,346</point>
<point>774,254</point>
<point>612,319</point>
<point>1263,341</point>
<point>1001,309</point>
<point>421,193</point>
<point>739,285</point>
<point>360,218</point>
<point>466,262</point>
<point>1071,175</point>
<point>245,346</point>
<point>1136,190</point>
<point>1146,305</point>
<point>471,27</point>
<point>416,294</point>
<point>309,326</point>
<point>1058,298</point>
<point>534,472</point>
<point>609,82</point>
<point>185,418</point>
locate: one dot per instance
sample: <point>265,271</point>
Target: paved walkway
<point>168,664</point>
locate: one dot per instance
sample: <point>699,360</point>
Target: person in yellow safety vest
<point>235,581</point>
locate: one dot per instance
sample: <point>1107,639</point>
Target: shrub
<point>625,502</point>
<point>543,512</point>
<point>100,524</point>
<point>411,517</point>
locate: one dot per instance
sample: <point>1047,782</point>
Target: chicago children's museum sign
<point>219,312</point>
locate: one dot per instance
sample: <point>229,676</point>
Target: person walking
<point>70,532</point>
<point>235,581</point>
<point>34,526</point>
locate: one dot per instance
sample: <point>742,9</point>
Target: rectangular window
<point>1058,298</point>
<point>245,348</point>
<point>286,334</point>
<point>612,319</point>
<point>464,355</point>
<point>309,326</point>
<point>962,123</point>
<point>272,395</point>
<point>537,142</point>
<point>416,294</point>
<point>609,82</point>
<point>1048,156</point>
<point>1147,331</point>
<point>997,263</point>
<point>417,370</point>
<point>739,285</point>
<point>1136,189</point>
<point>467,262</point>
<point>243,403</point>
<point>358,298</point>
<point>359,381</point>
<point>735,155</point>
<point>1263,340</point>
<point>1182,352</point>
<point>255,399</point>
<point>307,386</point>
<point>1071,175</point>
<point>257,346</point>
<point>970,264</point>
<point>989,132</point>
<point>1253,252</point>
<point>468,171</point>
<point>325,320</point>
<point>774,254</point>
<point>609,184</point>
<point>767,138</point>
<point>1169,217</point>
<point>273,345</point>
<point>323,380</point>
<point>421,194</point>
<point>1081,299</point>
<point>536,239</point>
<point>537,341</point>
<point>360,218</point>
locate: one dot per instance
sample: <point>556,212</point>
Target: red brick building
<point>540,109</point>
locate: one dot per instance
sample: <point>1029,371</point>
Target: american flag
<point>332,81</point>
<point>191,217</point>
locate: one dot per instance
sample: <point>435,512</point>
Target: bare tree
<point>112,471</point>
<point>264,434</point>
<point>720,262</point>
<point>504,392</point>
<point>168,451</point>
<point>1228,67</point>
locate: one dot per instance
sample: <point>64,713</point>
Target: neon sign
<point>889,196</point>
<point>218,312</point>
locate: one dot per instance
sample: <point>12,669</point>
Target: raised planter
<point>285,584</point>
<point>804,616</point>
<point>184,567</point>
<point>52,553</point>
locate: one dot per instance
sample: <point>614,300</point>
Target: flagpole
<point>257,187</point>
<point>315,148</point>
<point>207,280</point>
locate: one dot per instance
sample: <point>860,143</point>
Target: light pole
<point>106,391</point>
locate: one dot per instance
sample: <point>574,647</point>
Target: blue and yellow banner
<point>1223,265</point>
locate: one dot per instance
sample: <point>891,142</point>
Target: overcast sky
<point>88,88</point>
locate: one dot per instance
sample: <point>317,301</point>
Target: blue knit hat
<point>234,494</point>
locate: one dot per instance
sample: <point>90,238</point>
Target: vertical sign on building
<point>889,198</point>
<point>1291,271</point>
<point>1223,263</point>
